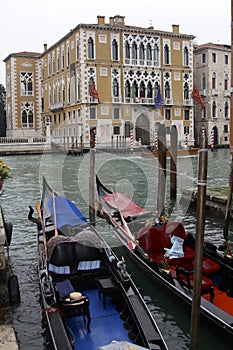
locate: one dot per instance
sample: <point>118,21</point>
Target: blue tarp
<point>66,212</point>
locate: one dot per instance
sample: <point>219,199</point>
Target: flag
<point>93,91</point>
<point>158,99</point>
<point>197,97</point>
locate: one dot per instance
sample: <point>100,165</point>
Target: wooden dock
<point>216,200</point>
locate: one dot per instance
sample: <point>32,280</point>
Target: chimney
<point>101,20</point>
<point>45,47</point>
<point>175,28</point>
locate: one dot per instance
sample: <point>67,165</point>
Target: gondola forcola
<point>164,250</point>
<point>89,300</point>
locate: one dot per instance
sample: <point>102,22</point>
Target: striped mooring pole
<point>131,141</point>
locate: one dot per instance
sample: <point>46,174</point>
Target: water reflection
<point>132,175</point>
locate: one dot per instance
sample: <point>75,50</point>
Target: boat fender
<point>8,229</point>
<point>13,290</point>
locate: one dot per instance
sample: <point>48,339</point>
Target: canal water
<point>133,175</point>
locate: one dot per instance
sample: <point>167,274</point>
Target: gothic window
<point>127,89</point>
<point>142,89</point>
<point>148,52</point>
<point>149,90</point>
<point>186,91</point>
<point>141,52</point>
<point>26,79</point>
<point>27,115</point>
<point>167,90</point>
<point>90,48</point>
<point>186,56</point>
<point>115,88</point>
<point>63,93</point>
<point>156,89</point>
<point>114,50</point>
<point>166,54</point>
<point>127,50</point>
<point>156,54</point>
<point>134,51</point>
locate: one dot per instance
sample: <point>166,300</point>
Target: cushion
<point>64,288</point>
<point>60,270</point>
<point>89,265</point>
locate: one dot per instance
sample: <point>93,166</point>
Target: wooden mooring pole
<point>229,198</point>
<point>173,162</point>
<point>91,186</point>
<point>162,149</point>
<point>200,226</point>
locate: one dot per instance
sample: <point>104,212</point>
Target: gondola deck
<point>106,324</point>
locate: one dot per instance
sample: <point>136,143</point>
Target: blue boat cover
<point>66,212</point>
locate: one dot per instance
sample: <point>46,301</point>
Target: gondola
<point>89,301</point>
<point>165,252</point>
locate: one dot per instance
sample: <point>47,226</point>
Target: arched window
<point>186,91</point>
<point>134,92</point>
<point>167,90</point>
<point>148,52</point>
<point>127,89</point>
<point>141,52</point>
<point>114,50</point>
<point>142,89</point>
<point>156,54</point>
<point>186,56</point>
<point>90,48</point>
<point>134,51</point>
<point>226,110</point>
<point>115,88</point>
<point>149,90</point>
<point>127,50</point>
<point>203,81</point>
<point>166,54</point>
<point>214,110</point>
<point>214,81</point>
<point>226,82</point>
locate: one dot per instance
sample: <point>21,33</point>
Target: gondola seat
<point>210,267</point>
<point>154,241</point>
<point>185,278</point>
<point>72,303</point>
<point>81,262</point>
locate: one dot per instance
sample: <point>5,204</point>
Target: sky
<point>26,25</point>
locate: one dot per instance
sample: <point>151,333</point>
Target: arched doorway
<point>143,130</point>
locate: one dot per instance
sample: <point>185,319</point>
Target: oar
<point>55,215</point>
<point>125,226</point>
<point>119,226</point>
<point>44,235</point>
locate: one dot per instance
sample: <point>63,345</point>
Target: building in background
<point>212,75</point>
<point>106,78</point>
<point>23,95</point>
